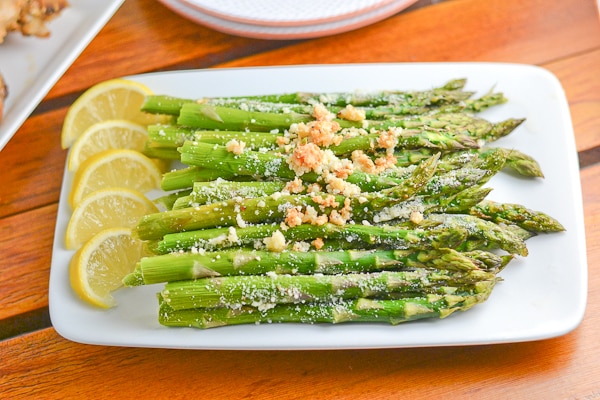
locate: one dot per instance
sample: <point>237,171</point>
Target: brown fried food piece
<point>3,94</point>
<point>28,16</point>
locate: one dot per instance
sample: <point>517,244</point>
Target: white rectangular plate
<point>542,295</point>
<point>31,66</point>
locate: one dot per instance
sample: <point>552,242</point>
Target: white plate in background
<point>543,295</point>
<point>31,66</point>
<point>285,32</point>
<point>286,12</point>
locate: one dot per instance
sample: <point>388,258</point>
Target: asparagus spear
<point>493,235</point>
<point>366,236</point>
<point>163,104</point>
<point>173,136</point>
<point>409,139</point>
<point>222,190</point>
<point>267,290</point>
<point>522,163</point>
<point>189,266</point>
<point>208,116</point>
<point>267,166</point>
<point>168,200</point>
<point>448,93</point>
<point>185,177</point>
<point>358,310</point>
<point>508,213</point>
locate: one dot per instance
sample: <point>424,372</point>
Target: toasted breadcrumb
<point>337,185</point>
<point>294,186</point>
<point>236,147</point>
<point>282,141</point>
<point>313,188</point>
<point>301,247</point>
<point>363,162</point>
<point>293,217</point>
<point>311,216</point>
<point>306,158</point>
<point>416,217</point>
<point>275,242</point>
<point>383,163</point>
<point>387,139</point>
<point>321,113</point>
<point>327,201</point>
<point>352,113</point>
<point>318,243</point>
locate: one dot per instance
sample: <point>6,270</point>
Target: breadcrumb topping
<point>306,158</point>
<point>318,243</point>
<point>236,147</point>
<point>276,242</point>
<point>352,113</point>
<point>294,186</point>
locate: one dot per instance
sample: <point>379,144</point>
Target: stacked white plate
<point>286,19</point>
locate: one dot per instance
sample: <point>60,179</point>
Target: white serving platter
<point>31,66</point>
<point>542,296</point>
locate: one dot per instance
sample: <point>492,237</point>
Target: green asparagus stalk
<point>162,104</point>
<point>493,235</point>
<point>409,139</point>
<point>184,178</point>
<point>208,116</point>
<point>523,164</point>
<point>365,236</point>
<point>222,190</point>
<point>189,266</point>
<point>359,310</point>
<point>508,213</point>
<point>449,93</point>
<point>266,166</point>
<point>168,200</point>
<point>163,153</point>
<point>267,290</point>
<point>170,105</point>
<point>173,136</point>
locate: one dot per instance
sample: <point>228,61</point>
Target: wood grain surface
<point>144,36</point>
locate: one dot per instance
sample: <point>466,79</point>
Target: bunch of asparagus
<point>331,207</point>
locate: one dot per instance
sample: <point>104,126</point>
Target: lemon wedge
<point>103,209</point>
<point>114,168</point>
<point>98,267</point>
<point>106,135</point>
<point>112,99</point>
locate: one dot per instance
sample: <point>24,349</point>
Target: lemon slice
<point>113,99</point>
<point>98,267</point>
<point>103,209</point>
<point>114,168</point>
<point>105,135</point>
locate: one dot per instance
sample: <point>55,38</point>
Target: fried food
<point>3,94</point>
<point>28,16</point>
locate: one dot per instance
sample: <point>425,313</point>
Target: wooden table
<point>35,362</point>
